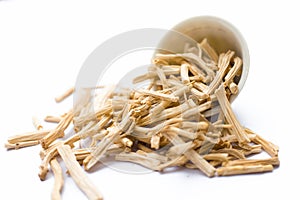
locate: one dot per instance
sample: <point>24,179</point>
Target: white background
<point>44,43</point>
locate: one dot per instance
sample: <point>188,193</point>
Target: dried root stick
<point>192,155</point>
<point>243,169</point>
<point>50,154</point>
<point>270,148</point>
<point>52,119</point>
<point>237,128</point>
<point>166,97</point>
<point>19,145</point>
<point>58,179</point>
<point>58,131</point>
<point>64,95</point>
<point>145,161</point>
<point>37,123</point>
<point>233,71</point>
<point>77,173</point>
<point>100,150</point>
<point>209,50</point>
<point>223,64</point>
<point>26,139</point>
<point>35,135</point>
<point>268,161</point>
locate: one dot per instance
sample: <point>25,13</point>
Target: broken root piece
<point>64,95</point>
<point>243,169</point>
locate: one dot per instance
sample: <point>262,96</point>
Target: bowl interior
<point>221,35</point>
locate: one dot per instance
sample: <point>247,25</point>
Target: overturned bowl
<point>221,35</point>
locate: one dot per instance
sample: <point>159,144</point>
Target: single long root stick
<point>58,179</point>
<point>77,173</point>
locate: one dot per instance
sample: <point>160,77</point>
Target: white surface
<point>42,47</point>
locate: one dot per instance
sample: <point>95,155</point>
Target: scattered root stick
<point>77,173</point>
<point>243,169</point>
<point>58,179</point>
<point>64,95</point>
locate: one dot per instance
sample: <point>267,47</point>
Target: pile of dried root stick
<point>182,118</point>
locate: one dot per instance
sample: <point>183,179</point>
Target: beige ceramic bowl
<point>222,36</point>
